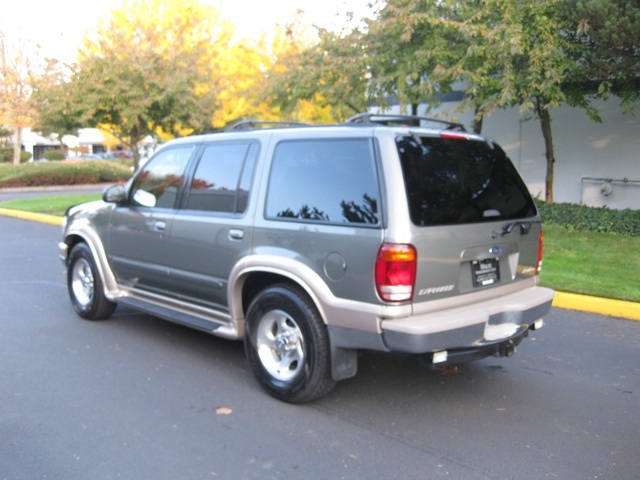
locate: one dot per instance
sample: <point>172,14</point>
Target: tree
<point>149,70</point>
<point>530,54</point>
<point>406,47</point>
<point>321,73</point>
<point>605,48</point>
<point>515,54</point>
<point>58,111</point>
<point>15,90</point>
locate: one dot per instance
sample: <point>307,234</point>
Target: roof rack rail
<point>260,124</point>
<point>404,120</point>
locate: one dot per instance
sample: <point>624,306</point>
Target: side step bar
<point>176,316</point>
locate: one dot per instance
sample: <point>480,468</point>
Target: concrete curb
<point>603,306</point>
<point>36,217</point>
<point>569,301</point>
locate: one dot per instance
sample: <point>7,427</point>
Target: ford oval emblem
<point>495,250</point>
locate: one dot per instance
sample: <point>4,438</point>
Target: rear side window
<point>455,181</point>
<point>329,181</point>
<point>222,178</point>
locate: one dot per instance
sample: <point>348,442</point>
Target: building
<point>89,141</point>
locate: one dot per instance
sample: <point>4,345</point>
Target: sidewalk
<point>569,301</point>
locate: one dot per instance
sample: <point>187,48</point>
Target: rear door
<point>474,224</point>
<point>210,232</point>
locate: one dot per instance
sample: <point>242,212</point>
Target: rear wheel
<point>287,345</point>
<point>85,285</point>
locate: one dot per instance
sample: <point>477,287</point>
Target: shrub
<point>54,155</point>
<point>591,219</point>
<point>6,155</point>
<point>62,173</point>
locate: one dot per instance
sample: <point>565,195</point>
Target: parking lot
<point>137,397</point>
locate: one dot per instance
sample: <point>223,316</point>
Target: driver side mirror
<point>115,194</point>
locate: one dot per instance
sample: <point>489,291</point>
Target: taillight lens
<point>396,272</point>
<point>540,242</point>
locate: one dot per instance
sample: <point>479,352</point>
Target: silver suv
<point>313,242</point>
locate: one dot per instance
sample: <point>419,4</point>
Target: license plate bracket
<point>485,272</point>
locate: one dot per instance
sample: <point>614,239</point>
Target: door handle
<point>160,226</point>
<point>236,234</point>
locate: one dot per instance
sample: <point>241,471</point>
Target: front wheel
<point>287,345</point>
<point>85,286</point>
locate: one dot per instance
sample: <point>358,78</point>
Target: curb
<point>36,217</point>
<point>568,301</point>
<point>603,306</point>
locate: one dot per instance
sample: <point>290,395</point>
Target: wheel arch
<point>258,273</point>
<point>255,273</point>
<point>92,240</point>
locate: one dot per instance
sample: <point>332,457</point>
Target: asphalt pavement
<point>135,397</point>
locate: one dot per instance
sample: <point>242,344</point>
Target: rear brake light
<point>539,261</point>
<point>396,272</point>
<point>453,135</point>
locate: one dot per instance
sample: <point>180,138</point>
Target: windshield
<point>456,181</point>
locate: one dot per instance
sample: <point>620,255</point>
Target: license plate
<point>485,272</point>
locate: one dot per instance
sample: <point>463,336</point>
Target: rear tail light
<point>396,272</point>
<point>539,261</point>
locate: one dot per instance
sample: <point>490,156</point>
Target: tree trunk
<point>17,144</point>
<point>477,121</point>
<point>545,123</point>
<point>414,109</point>
<point>136,155</point>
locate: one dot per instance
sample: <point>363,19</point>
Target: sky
<point>58,26</point>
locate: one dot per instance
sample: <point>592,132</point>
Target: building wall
<point>584,150</point>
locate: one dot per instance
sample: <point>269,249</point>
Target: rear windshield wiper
<point>525,227</point>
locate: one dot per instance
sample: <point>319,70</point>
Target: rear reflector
<point>396,272</point>
<point>540,242</point>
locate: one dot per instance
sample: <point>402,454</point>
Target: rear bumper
<point>480,326</point>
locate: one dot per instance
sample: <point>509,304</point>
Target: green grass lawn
<point>53,205</point>
<point>599,264</point>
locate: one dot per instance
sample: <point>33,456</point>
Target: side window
<point>222,178</point>
<point>330,181</point>
<point>158,182</point>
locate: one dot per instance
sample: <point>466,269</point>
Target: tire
<point>85,286</point>
<point>287,345</point>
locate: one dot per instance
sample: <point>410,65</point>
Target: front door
<point>137,247</point>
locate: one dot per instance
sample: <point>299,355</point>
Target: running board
<point>177,316</point>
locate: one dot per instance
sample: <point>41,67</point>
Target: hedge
<point>591,219</point>
<point>73,172</point>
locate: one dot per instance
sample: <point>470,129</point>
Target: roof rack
<point>403,120</point>
<point>260,124</point>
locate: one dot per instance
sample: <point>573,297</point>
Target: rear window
<point>454,181</point>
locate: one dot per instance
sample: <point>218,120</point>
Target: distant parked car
<point>122,154</point>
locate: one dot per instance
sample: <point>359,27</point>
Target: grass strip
<point>591,263</point>
<point>53,205</point>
